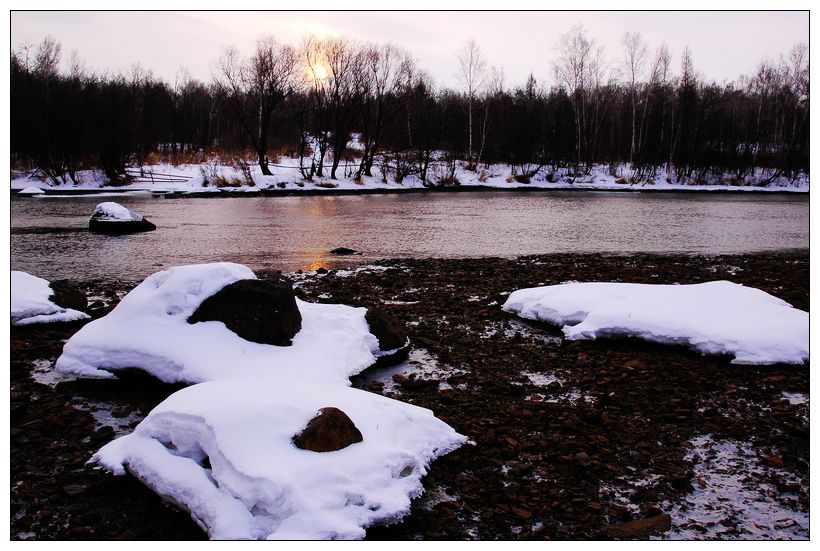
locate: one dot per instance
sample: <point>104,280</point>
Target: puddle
<point>510,327</point>
<point>795,398</point>
<point>734,497</point>
<point>621,491</point>
<point>419,363</point>
<point>104,415</point>
<point>43,372</point>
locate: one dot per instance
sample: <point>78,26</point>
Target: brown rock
<point>386,328</point>
<point>329,431</point>
<point>256,310</point>
<point>641,528</point>
<point>67,295</point>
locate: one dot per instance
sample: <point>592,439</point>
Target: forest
<point>635,108</point>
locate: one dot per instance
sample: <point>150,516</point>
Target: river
<point>49,235</point>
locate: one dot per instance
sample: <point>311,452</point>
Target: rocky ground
<point>607,439</point>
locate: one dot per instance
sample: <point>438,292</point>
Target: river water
<point>49,235</point>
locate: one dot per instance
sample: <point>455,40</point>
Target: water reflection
<point>291,233</point>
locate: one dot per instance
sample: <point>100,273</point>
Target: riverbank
<point>207,179</point>
<point>573,439</point>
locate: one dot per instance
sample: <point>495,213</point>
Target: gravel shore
<point>606,439</point>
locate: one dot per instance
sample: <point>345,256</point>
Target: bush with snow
<point>30,302</point>
<point>718,317</point>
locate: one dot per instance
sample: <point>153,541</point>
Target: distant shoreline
<point>275,192</point>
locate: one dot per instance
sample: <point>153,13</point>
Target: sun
<point>320,71</point>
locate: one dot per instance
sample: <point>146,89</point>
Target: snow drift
<point>148,330</point>
<point>718,317</point>
<point>30,302</point>
<point>222,449</point>
<point>256,483</point>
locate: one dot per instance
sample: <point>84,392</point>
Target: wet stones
<point>259,311</point>
<point>329,431</point>
<point>641,528</point>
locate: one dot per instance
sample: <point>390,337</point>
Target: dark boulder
<point>386,328</point>
<point>329,431</point>
<point>66,295</point>
<point>120,227</point>
<point>343,251</point>
<point>114,219</point>
<point>259,311</point>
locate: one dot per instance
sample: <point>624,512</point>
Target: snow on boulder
<point>148,330</point>
<point>260,311</point>
<point>31,191</point>
<point>718,317</point>
<point>223,451</point>
<point>114,219</point>
<point>30,302</point>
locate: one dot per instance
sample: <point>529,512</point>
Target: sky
<point>724,45</point>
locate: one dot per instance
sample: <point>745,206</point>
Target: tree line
<point>638,113</point>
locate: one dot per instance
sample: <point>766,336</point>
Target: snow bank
<point>222,449</point>
<point>114,212</point>
<point>285,176</point>
<point>256,484</point>
<point>31,191</point>
<point>30,302</point>
<point>718,317</point>
<point>148,330</point>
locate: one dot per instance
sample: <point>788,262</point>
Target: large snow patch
<point>30,302</point>
<point>718,317</point>
<point>222,449</point>
<point>256,483</point>
<point>148,330</point>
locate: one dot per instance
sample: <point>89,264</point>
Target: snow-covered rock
<point>148,330</point>
<point>256,483</point>
<point>223,449</point>
<point>718,317</point>
<point>113,218</point>
<point>30,302</point>
<point>31,191</point>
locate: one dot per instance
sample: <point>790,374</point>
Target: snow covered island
<point>31,303</point>
<point>718,317</point>
<point>228,449</point>
<point>114,219</point>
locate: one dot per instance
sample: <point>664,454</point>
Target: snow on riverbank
<point>718,317</point>
<point>223,449</point>
<point>30,302</point>
<point>287,177</point>
<point>148,330</point>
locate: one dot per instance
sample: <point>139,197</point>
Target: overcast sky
<point>724,44</point>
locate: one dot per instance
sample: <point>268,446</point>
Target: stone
<point>641,528</point>
<point>67,295</point>
<point>386,328</point>
<point>113,219</point>
<point>261,311</point>
<point>329,431</point>
<point>344,251</point>
<point>583,459</point>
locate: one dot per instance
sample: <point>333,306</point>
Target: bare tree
<point>383,78</point>
<point>493,90</point>
<point>635,52</point>
<point>472,74</point>
<point>572,70</point>
<point>256,87</point>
